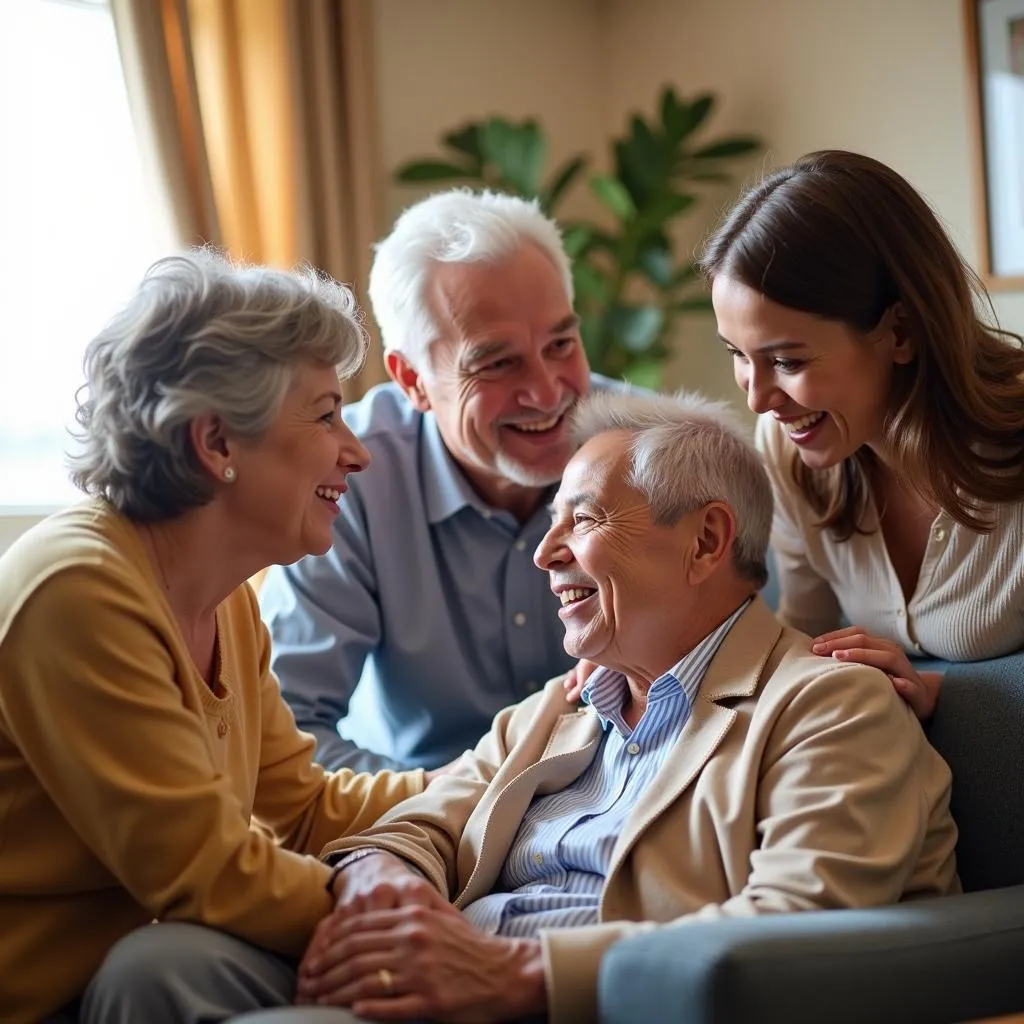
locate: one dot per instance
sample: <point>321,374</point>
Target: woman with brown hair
<point>891,417</point>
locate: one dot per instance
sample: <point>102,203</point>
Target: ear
<point>714,531</point>
<point>408,378</point>
<point>211,445</point>
<point>904,349</point>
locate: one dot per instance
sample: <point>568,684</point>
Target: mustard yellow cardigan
<point>129,792</point>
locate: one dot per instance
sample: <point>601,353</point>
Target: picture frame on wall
<point>994,31</point>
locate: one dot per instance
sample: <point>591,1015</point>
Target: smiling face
<point>829,384</point>
<point>289,483</point>
<point>505,370</point>
<point>622,580</point>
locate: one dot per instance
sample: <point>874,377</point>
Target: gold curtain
<point>258,120</point>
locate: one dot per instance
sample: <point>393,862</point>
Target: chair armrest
<point>936,961</point>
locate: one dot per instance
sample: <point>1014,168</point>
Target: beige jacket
<point>798,783</point>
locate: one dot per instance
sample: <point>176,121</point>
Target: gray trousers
<point>178,973</point>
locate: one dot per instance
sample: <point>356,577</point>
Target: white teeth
<point>538,425</point>
<point>805,422</point>
<point>574,594</point>
<point>328,492</point>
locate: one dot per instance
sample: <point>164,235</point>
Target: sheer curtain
<point>258,118</point>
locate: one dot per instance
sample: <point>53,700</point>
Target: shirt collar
<point>606,689</point>
<point>446,490</point>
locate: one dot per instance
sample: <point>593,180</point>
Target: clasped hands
<point>394,949</point>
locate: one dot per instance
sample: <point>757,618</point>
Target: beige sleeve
<point>841,822</point>
<point>426,830</point>
<point>306,807</point>
<point>101,722</point>
<point>806,600</point>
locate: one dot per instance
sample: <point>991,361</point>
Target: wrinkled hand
<point>425,963</point>
<point>576,678</point>
<point>919,689</point>
<point>380,882</point>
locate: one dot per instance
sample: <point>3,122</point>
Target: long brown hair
<point>843,237</point>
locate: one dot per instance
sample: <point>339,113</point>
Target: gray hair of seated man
<point>688,451</point>
<point>201,334</point>
<point>455,226</point>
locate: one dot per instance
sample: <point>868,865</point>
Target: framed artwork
<point>995,57</point>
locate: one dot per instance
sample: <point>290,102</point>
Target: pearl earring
<point>229,474</point>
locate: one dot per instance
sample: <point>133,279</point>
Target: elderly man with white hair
<point>427,616</point>
<point>718,769</point>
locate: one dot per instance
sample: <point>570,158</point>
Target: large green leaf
<point>590,283</point>
<point>563,178</point>
<point>735,145</point>
<point>641,162</point>
<point>644,373</point>
<point>665,208</point>
<point>685,118</point>
<point>627,171</point>
<point>434,170</point>
<point>655,260</point>
<point>576,240</point>
<point>635,327</point>
<point>518,151</point>
<point>466,140</point>
<point>613,194</point>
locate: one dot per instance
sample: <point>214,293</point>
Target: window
<point>77,224</point>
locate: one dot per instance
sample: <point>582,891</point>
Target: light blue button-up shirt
<point>425,618</point>
<point>558,862</point>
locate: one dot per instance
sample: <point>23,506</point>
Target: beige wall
<point>443,62</point>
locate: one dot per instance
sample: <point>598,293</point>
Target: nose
<point>552,551</point>
<point>763,394</point>
<point>542,388</point>
<point>352,456</point>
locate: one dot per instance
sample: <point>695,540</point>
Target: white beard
<point>522,475</point>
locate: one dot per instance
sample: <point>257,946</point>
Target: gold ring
<point>387,980</point>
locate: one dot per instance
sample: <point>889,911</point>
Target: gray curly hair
<point>201,334</point>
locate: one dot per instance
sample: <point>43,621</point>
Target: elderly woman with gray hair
<point>149,770</point>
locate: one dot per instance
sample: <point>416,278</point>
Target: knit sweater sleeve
<point>96,710</point>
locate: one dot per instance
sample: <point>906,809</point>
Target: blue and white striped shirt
<point>559,859</point>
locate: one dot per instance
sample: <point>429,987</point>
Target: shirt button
<point>520,545</point>
<point>538,858</point>
<point>900,613</point>
<point>939,533</point>
<point>222,728</point>
<point>633,748</point>
<point>486,513</point>
<point>519,619</point>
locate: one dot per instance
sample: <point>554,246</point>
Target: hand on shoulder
<point>919,689</point>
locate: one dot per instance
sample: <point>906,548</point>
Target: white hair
<point>688,451</point>
<point>201,334</point>
<point>456,226</point>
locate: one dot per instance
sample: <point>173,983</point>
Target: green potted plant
<point>631,285</point>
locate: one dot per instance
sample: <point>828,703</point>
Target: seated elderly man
<point>720,769</point>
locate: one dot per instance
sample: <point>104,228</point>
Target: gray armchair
<point>938,961</point>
